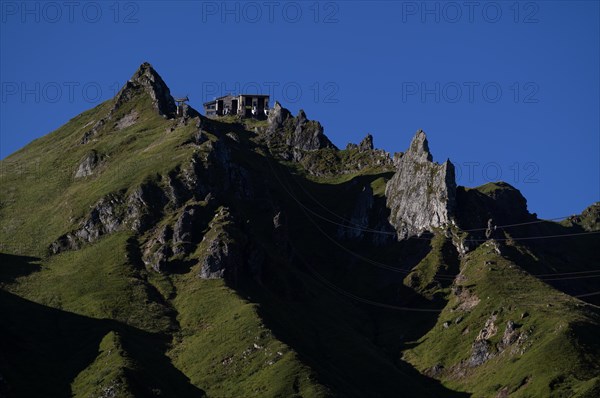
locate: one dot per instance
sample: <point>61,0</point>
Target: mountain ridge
<point>272,263</point>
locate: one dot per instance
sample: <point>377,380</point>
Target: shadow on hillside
<point>14,266</point>
<point>44,349</point>
<point>353,347</point>
<point>565,263</point>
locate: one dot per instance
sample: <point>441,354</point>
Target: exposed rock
<point>139,211</point>
<point>277,117</point>
<point>366,144</point>
<point>183,231</point>
<point>480,353</point>
<point>89,134</point>
<point>489,329</point>
<point>435,370</point>
<point>481,350</point>
<point>277,222</point>
<point>223,253</point>
<point>589,219</point>
<point>193,177</point>
<point>297,133</point>
<point>87,165</point>
<point>128,120</point>
<point>158,250</point>
<point>144,206</point>
<point>233,136</point>
<point>104,218</point>
<point>503,392</point>
<point>397,158</point>
<point>421,194</point>
<point>199,137</point>
<point>509,337</point>
<point>146,79</point>
<point>308,134</point>
<point>176,190</point>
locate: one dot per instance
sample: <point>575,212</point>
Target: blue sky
<point>506,90</point>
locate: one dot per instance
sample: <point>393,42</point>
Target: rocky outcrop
<point>366,144</point>
<point>278,118</point>
<point>157,250</point>
<point>308,134</point>
<point>296,133</point>
<point>144,206</point>
<point>114,212</point>
<point>222,248</point>
<point>421,194</point>
<point>588,220</point>
<point>87,165</point>
<point>481,350</point>
<point>184,231</point>
<point>128,120</point>
<point>147,80</point>
<point>104,218</point>
<point>168,244</point>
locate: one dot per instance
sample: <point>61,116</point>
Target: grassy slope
<point>560,329</point>
<point>41,200</point>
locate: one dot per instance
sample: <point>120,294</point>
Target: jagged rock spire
<point>422,194</point>
<point>419,148</point>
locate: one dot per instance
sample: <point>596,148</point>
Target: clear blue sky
<point>505,90</point>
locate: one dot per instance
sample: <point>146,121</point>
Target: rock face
<point>481,350</point>
<point>366,144</point>
<point>297,133</point>
<point>146,79</point>
<point>87,165</point>
<point>422,194</point>
<point>104,218</point>
<point>223,248</point>
<point>158,250</point>
<point>277,117</point>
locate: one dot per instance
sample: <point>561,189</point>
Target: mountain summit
<point>146,79</point>
<point>149,252</point>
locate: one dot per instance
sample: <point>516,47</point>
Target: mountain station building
<point>246,105</point>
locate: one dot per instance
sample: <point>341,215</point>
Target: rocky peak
<point>144,80</point>
<point>421,195</point>
<point>298,132</point>
<point>301,117</point>
<point>366,144</point>
<point>277,116</point>
<point>419,148</point>
<point>147,80</point>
